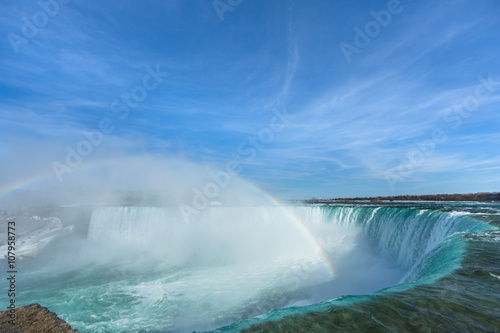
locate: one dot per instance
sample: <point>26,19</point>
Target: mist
<point>173,232</point>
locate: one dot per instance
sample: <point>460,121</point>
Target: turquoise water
<point>382,268</point>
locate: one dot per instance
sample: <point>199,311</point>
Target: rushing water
<point>399,267</point>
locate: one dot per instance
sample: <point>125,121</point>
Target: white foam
<point>32,234</point>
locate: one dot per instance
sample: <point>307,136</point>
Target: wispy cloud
<point>351,122</point>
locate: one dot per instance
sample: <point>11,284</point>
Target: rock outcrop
<point>34,318</point>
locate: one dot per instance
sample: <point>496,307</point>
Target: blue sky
<point>376,97</point>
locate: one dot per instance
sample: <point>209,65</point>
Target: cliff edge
<point>33,318</point>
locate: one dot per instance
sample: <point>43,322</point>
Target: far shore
<point>482,196</point>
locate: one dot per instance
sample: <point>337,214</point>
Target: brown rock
<point>34,319</point>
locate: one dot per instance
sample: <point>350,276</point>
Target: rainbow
<point>30,181</point>
<point>23,183</point>
<point>299,224</point>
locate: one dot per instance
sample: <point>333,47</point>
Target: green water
<point>467,299</point>
<point>435,268</point>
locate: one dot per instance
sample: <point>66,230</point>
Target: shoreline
<point>469,197</point>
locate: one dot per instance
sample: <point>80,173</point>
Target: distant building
<point>493,197</point>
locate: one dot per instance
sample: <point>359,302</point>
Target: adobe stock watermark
<point>223,6</point>
<point>454,117</point>
<point>31,26</point>
<point>121,107</point>
<point>247,150</point>
<point>371,30</point>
